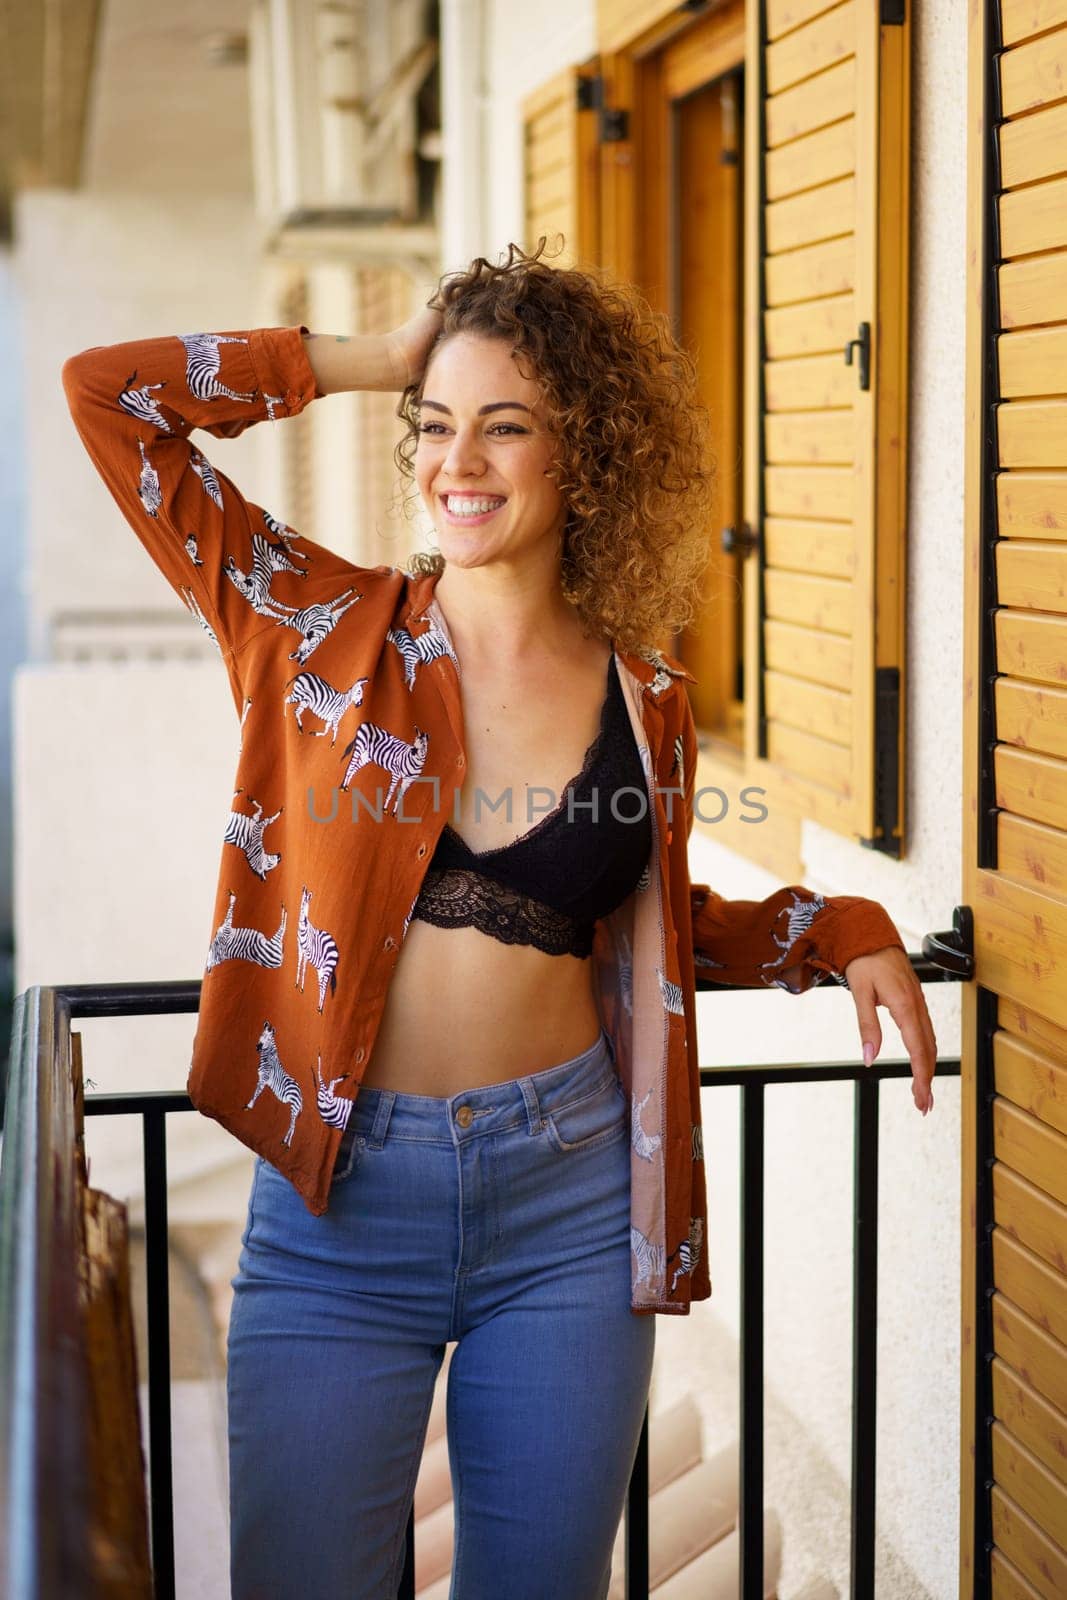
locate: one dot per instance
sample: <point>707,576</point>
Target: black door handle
<point>953,951</point>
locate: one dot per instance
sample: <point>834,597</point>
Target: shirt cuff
<point>284,375</point>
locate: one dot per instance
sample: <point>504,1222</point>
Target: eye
<point>427,427</point>
<point>510,426</point>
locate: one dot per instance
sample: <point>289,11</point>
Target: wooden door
<point>688,97</point>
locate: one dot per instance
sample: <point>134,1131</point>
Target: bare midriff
<point>463,1009</point>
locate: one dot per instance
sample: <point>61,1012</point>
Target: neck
<point>492,614</point>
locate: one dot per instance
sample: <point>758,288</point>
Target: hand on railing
<point>887,978</point>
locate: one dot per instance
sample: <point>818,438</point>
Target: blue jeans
<point>498,1218</point>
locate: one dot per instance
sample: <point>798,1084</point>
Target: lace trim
<point>454,897</point>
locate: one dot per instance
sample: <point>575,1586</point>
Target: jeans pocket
<point>347,1164</point>
<point>598,1118</point>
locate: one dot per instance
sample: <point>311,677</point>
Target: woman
<point>442,1141</point>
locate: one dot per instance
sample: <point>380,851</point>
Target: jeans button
<point>464,1116</point>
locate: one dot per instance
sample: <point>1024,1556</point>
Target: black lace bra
<point>548,887</point>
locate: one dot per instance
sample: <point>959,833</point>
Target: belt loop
<point>376,1136</point>
<point>533,1109</point>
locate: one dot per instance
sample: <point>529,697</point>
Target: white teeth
<point>461,506</point>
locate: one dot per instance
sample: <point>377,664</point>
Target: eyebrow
<point>496,405</point>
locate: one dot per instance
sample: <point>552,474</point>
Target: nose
<point>464,457</point>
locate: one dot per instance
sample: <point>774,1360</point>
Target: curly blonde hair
<point>633,459</point>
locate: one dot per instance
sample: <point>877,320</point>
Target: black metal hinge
<point>590,93</point>
<point>886,760</point>
<point>614,125</point>
<point>892,13</point>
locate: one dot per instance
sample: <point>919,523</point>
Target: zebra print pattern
<point>314,694</point>
<point>314,623</point>
<point>698,1142</point>
<point>317,946</point>
<point>334,1109</point>
<point>407,919</point>
<point>688,1252</point>
<point>645,879</point>
<point>417,651</point>
<point>207,475</point>
<point>626,986</point>
<point>642,1144</point>
<point>191,552</point>
<point>679,762</point>
<point>202,358</point>
<point>244,718</point>
<point>376,746</point>
<point>283,532</point>
<point>192,605</point>
<point>671,994</point>
<point>649,1257</point>
<point>138,403</point>
<point>245,944</point>
<point>247,834</point>
<point>273,1076</point>
<point>267,559</point>
<point>800,916</point>
<point>664,672</point>
<point>148,484</point>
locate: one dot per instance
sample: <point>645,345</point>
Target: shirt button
<point>464,1116</point>
<point>421,851</point>
<point>389,943</point>
<point>360,1053</point>
<point>459,761</point>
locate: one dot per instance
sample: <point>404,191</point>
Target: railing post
<point>864,1335</point>
<point>636,1521</point>
<point>750,1511</point>
<point>157,1283</point>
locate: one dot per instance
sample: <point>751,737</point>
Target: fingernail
<point>868,1053</point>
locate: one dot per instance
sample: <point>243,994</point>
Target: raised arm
<point>236,567</point>
<point>794,939</point>
<point>134,406</point>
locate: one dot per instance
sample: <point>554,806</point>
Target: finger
<point>870,1028</point>
<point>917,1035</point>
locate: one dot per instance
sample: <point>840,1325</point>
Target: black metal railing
<point>44,1515</point>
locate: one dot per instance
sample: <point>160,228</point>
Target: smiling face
<point>482,455</point>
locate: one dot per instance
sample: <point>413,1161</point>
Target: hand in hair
<point>410,344</point>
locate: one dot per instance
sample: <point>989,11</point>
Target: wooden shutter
<point>1014,1040</point>
<point>620,21</point>
<point>827,243</point>
<point>561,165</point>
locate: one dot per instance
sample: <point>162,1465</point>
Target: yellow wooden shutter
<point>827,248</point>
<point>620,21</point>
<point>1014,1038</point>
<point>561,166</point>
